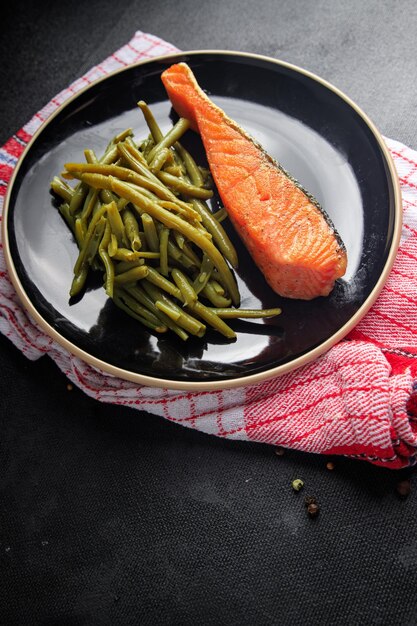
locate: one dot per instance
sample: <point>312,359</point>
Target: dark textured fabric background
<point>109,516</point>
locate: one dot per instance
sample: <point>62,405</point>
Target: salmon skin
<point>289,236</point>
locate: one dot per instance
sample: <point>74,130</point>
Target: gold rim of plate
<point>251,379</point>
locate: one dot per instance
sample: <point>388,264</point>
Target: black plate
<point>318,135</point>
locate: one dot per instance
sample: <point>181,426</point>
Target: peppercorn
<point>330,466</point>
<point>69,387</point>
<point>279,451</point>
<point>297,484</point>
<point>310,500</point>
<point>403,488</point>
<point>313,509</point>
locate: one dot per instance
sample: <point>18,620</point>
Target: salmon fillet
<point>288,235</point>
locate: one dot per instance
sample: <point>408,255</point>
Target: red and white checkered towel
<point>358,400</point>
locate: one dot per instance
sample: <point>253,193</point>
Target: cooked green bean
<point>119,300</point>
<point>89,204</point>
<point>190,165</point>
<point>99,181</point>
<point>186,321</point>
<point>94,173</point>
<point>80,231</point>
<point>188,294</point>
<point>190,254</point>
<point>163,283</point>
<point>212,319</point>
<point>110,156</point>
<point>93,244</point>
<point>78,198</point>
<point>116,224</point>
<point>139,216</point>
<point>128,132</point>
<point>107,196</point>
<point>107,262</point>
<point>62,189</point>
<point>220,237</point>
<point>135,160</point>
<point>88,236</point>
<point>65,212</point>
<point>217,287</point>
<point>174,170</point>
<point>179,257</point>
<point>151,234</point>
<point>124,266</point>
<point>172,313</point>
<point>139,258</point>
<point>110,169</point>
<point>78,281</point>
<point>206,174</point>
<point>147,147</point>
<point>142,297</point>
<point>173,221</point>
<point>172,136</point>
<point>155,131</point>
<point>132,229</point>
<point>228,313</point>
<point>90,156</point>
<point>138,308</point>
<point>182,186</point>
<point>216,299</point>
<point>151,122</point>
<point>145,254</point>
<point>87,254</point>
<point>210,222</point>
<point>131,276</point>
<point>163,250</point>
<point>220,215</point>
<point>125,254</point>
<point>204,275</point>
<point>183,208</point>
<point>159,159</point>
<point>202,311</point>
<point>113,245</point>
<point>179,238</point>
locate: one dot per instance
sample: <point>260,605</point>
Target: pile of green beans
<point>139,214</point>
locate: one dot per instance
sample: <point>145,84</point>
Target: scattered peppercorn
<point>69,387</point>
<point>279,451</point>
<point>403,488</point>
<point>310,500</point>
<point>297,484</point>
<point>313,509</point>
<point>330,466</point>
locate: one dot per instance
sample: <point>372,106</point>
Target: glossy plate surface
<point>310,127</point>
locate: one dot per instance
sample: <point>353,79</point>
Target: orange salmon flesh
<point>288,235</point>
